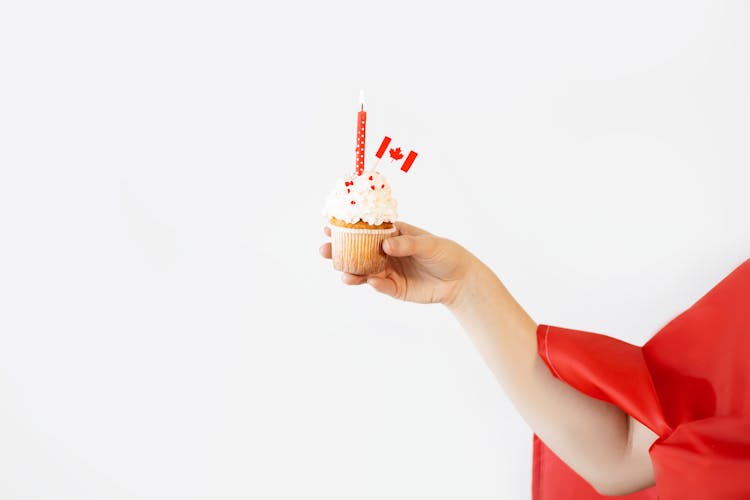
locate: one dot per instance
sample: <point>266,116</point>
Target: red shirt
<point>690,384</point>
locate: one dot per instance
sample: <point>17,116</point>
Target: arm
<point>598,440</point>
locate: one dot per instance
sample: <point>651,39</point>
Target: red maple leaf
<point>396,154</point>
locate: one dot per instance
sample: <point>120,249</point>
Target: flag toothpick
<point>395,154</point>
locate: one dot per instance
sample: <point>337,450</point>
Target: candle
<point>361,124</point>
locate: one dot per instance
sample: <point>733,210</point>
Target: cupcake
<point>361,213</point>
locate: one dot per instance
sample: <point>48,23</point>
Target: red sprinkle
<point>382,186</point>
<point>353,202</point>
<point>348,190</point>
<point>373,188</point>
<point>370,177</point>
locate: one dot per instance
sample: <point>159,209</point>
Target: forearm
<point>589,435</point>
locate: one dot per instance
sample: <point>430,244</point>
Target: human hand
<point>420,267</point>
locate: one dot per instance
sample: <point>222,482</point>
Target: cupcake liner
<point>359,251</point>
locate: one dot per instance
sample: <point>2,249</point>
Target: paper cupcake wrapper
<point>359,251</point>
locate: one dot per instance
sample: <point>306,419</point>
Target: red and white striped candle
<point>361,125</point>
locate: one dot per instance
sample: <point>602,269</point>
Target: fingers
<point>423,246</point>
<point>383,285</point>
<point>325,250</point>
<point>404,228</point>
<point>353,279</point>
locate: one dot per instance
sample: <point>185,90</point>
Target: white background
<point>167,327</point>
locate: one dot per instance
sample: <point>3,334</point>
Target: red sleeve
<point>689,384</point>
<point>604,368</point>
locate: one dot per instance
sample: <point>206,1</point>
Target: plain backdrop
<point>167,326</point>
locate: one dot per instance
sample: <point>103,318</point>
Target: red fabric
<point>553,480</point>
<point>689,384</point>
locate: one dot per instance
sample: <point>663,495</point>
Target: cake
<point>361,213</point>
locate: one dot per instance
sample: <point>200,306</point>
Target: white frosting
<point>371,195</point>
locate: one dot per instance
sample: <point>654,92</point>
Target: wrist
<point>471,287</point>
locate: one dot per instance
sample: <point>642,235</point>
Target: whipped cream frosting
<point>365,197</point>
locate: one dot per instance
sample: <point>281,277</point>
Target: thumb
<point>407,245</point>
<point>382,285</point>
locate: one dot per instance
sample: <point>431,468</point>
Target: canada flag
<point>396,154</point>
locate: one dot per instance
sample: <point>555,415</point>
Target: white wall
<point>167,327</point>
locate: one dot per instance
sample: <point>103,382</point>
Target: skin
<point>607,447</point>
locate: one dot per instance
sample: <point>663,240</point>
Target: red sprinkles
<point>373,188</point>
<point>353,202</point>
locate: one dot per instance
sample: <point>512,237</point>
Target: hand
<point>420,267</point>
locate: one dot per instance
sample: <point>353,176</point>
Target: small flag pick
<point>396,155</point>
